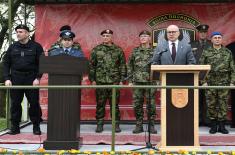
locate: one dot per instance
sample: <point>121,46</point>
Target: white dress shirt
<point>69,49</point>
<point>170,45</point>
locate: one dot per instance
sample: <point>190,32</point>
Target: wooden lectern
<point>179,107</point>
<point>63,128</point>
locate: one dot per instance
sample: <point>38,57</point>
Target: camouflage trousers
<point>102,96</point>
<point>217,102</point>
<point>141,95</point>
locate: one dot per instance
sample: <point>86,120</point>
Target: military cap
<point>106,32</point>
<point>216,33</point>
<point>65,27</point>
<point>67,34</point>
<point>21,26</point>
<point>145,32</point>
<point>202,28</point>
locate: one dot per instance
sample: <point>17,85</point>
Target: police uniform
<point>107,67</point>
<point>21,67</point>
<point>139,72</point>
<point>197,47</point>
<point>222,73</point>
<point>67,34</point>
<point>57,44</point>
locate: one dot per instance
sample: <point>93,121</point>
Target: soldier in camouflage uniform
<point>107,67</point>
<point>139,73</point>
<point>197,47</point>
<point>58,44</point>
<point>222,73</point>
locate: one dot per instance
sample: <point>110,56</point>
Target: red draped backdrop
<point>126,20</point>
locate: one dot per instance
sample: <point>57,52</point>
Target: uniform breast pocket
<point>15,55</point>
<point>100,56</point>
<point>115,56</point>
<point>138,61</point>
<point>29,56</point>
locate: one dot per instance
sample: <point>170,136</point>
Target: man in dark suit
<point>173,51</point>
<point>197,47</point>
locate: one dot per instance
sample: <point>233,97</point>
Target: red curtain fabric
<point>126,20</point>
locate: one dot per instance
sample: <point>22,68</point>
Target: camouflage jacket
<point>107,64</point>
<point>222,66</point>
<point>138,64</point>
<point>198,47</point>
<point>57,45</point>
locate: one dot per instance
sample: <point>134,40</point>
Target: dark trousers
<point>17,95</point>
<point>102,96</point>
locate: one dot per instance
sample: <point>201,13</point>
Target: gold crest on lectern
<point>179,97</point>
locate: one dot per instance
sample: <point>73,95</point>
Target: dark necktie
<point>203,43</point>
<point>173,54</point>
<point>66,51</point>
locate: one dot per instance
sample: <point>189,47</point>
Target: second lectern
<point>63,128</point>
<point>179,107</point>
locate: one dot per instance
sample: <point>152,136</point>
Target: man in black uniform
<point>197,47</point>
<point>21,65</point>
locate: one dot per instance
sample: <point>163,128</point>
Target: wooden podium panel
<point>179,123</point>
<point>63,129</point>
<point>179,107</point>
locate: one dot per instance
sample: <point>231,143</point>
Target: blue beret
<point>216,33</point>
<point>21,26</point>
<point>67,34</point>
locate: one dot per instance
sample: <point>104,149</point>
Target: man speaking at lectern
<point>173,51</point>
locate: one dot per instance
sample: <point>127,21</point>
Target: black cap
<point>21,26</point>
<point>106,32</point>
<point>67,34</point>
<point>145,32</point>
<point>65,27</point>
<point>202,28</point>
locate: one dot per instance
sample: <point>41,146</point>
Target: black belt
<point>22,72</point>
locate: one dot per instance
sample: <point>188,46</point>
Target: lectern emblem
<point>179,97</point>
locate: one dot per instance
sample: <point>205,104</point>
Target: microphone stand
<point>148,142</point>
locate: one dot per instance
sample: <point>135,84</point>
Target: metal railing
<point>5,110</point>
<point>114,88</point>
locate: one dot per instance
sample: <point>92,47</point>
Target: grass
<point>3,123</point>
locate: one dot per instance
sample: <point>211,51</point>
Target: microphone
<point>156,61</point>
<point>160,53</point>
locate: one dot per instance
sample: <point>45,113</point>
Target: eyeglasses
<point>172,32</point>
